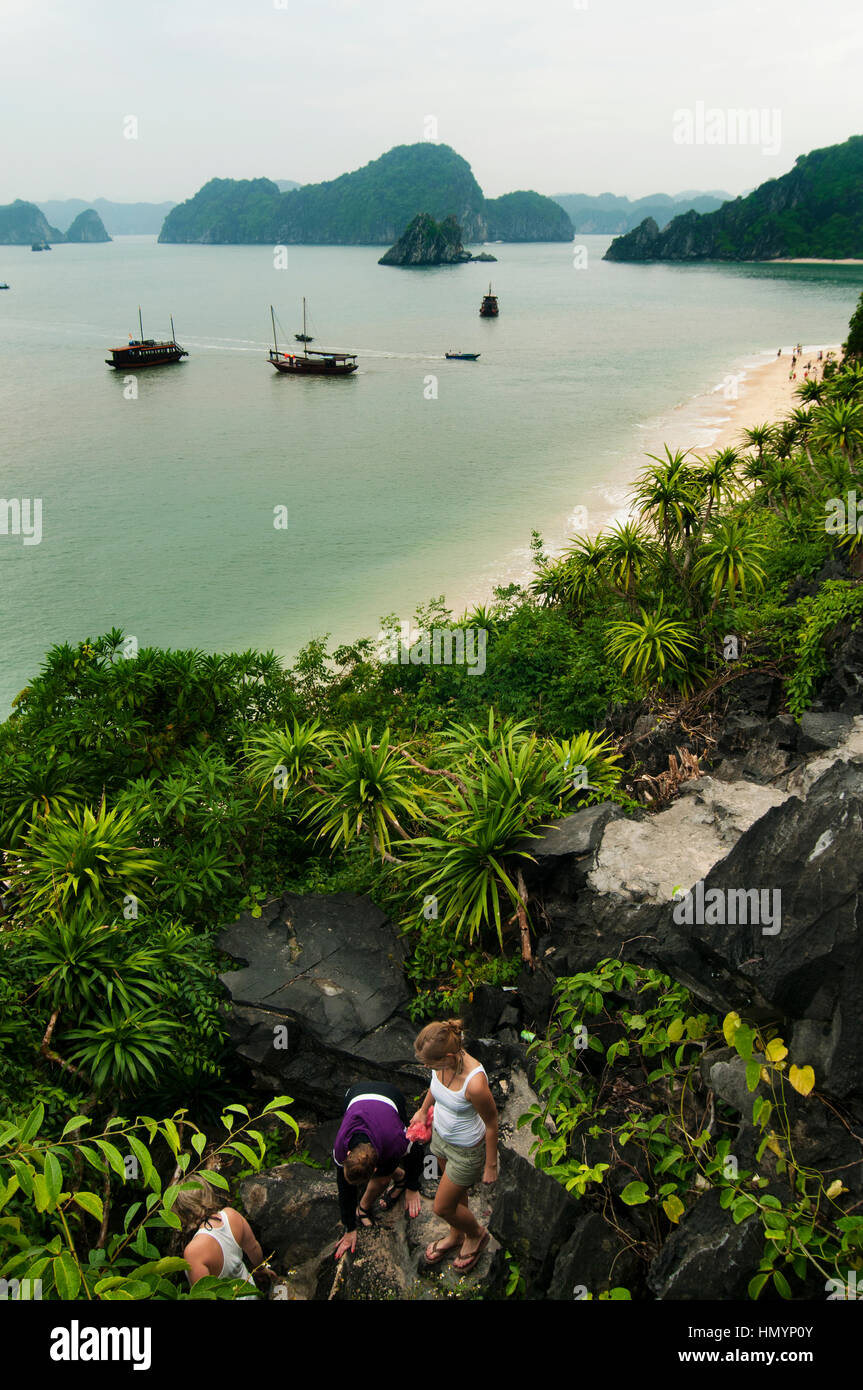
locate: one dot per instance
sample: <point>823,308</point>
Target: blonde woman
<point>464,1137</point>
<point>220,1238</point>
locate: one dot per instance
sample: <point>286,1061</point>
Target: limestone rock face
<point>88,226</point>
<point>316,1008</point>
<point>426,242</point>
<point>644,861</point>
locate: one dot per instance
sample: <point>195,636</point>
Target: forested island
<point>368,207</point>
<point>815,210</point>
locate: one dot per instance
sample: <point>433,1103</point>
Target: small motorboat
<point>4,286</point>
<point>462,356</point>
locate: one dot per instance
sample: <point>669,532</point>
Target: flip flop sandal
<point>471,1260</point>
<point>440,1255</point>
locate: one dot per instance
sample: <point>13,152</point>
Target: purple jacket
<point>379,1119</point>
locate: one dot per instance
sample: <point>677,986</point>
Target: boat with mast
<point>146,352</point>
<point>309,362</point>
<point>489,308</point>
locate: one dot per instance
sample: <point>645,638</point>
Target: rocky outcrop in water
<point>426,242</point>
<point>88,226</point>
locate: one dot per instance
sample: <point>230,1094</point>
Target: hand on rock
<point>347,1242</point>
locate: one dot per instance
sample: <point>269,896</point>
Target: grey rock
<point>707,1256</point>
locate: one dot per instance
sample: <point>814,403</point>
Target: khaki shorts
<point>464,1166</point>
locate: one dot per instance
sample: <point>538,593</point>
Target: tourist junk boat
<point>146,352</point>
<point>306,363</point>
<point>489,308</point>
<point>462,356</point>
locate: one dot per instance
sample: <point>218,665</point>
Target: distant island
<point>426,242</point>
<point>813,211</point>
<point>119,219</point>
<point>88,226</point>
<point>22,224</point>
<point>607,214</point>
<point>368,207</point>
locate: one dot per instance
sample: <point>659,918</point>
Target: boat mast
<point>305,339</point>
<point>275,342</point>
<point>173,334</point>
<point>140,324</point>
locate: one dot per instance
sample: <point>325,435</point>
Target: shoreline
<point>755,391</point>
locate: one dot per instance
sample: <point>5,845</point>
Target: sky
<point>147,102</point>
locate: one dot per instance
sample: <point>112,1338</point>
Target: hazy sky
<point>557,95</point>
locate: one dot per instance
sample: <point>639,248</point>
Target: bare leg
<point>453,1239</point>
<point>451,1204</point>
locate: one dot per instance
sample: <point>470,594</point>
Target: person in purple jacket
<point>372,1151</point>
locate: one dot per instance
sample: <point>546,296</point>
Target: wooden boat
<point>40,246</point>
<point>306,363</point>
<point>462,356</point>
<point>146,352</point>
<point>489,308</point>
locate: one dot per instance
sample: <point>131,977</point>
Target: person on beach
<point>219,1240</point>
<point>373,1152</point>
<point>464,1138</point>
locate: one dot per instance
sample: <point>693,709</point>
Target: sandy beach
<point>754,394</point>
<point>758,390</point>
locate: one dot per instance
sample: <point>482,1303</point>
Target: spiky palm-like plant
<point>282,759</point>
<point>730,561</point>
<point>654,647</point>
<point>469,864</point>
<point>83,859</point>
<point>366,790</point>
<point>839,425</point>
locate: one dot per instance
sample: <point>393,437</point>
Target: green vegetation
<point>620,1074</point>
<point>814,210</point>
<point>368,207</point>
<point>148,797</point>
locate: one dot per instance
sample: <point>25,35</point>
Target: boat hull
<point>294,365</point>
<point>146,355</point>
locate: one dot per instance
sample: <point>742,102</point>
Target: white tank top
<point>455,1119</point>
<point>233,1264</point>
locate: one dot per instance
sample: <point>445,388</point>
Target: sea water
<point>217,504</point>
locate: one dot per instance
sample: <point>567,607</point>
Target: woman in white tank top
<point>221,1238</point>
<point>464,1137</point>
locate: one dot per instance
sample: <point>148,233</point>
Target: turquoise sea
<point>413,478</point>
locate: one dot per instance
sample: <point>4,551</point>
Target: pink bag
<point>420,1132</point>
